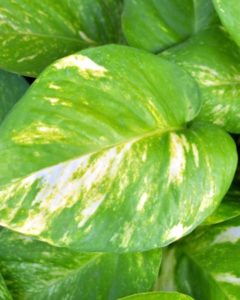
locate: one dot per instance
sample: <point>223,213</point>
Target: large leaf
<point>35,33</point>
<point>214,62</point>
<point>228,209</point>
<point>12,87</point>
<point>229,12</point>
<point>99,155</point>
<point>35,270</point>
<point>154,25</point>
<point>206,265</point>
<point>158,296</point>
<point>4,292</point>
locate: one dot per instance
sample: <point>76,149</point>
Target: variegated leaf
<point>154,25</point>
<point>158,296</point>
<point>228,209</point>
<point>214,62</point>
<point>12,87</point>
<point>4,292</point>
<point>229,12</point>
<point>35,270</point>
<point>35,33</point>
<point>100,155</point>
<point>205,264</point>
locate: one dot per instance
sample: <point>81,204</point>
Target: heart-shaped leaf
<point>35,33</point>
<point>35,270</point>
<point>99,154</point>
<point>154,25</point>
<point>12,87</point>
<point>229,12</point>
<point>209,260</point>
<point>214,62</point>
<point>158,296</point>
<point>4,292</point>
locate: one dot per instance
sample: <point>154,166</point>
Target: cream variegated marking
<point>143,199</point>
<point>195,155</point>
<point>58,188</point>
<point>176,232</point>
<point>177,159</point>
<point>230,235</point>
<point>227,278</point>
<point>38,133</point>
<point>86,67</point>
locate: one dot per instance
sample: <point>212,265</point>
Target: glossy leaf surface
<point>45,30</point>
<point>158,296</point>
<point>99,155</point>
<point>35,270</point>
<point>12,87</point>
<point>229,12</point>
<point>206,264</point>
<point>214,62</point>
<point>155,25</point>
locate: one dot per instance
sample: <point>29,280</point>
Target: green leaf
<point>4,292</point>
<point>12,87</point>
<point>229,12</point>
<point>206,264</point>
<point>36,270</point>
<point>228,209</point>
<point>102,157</point>
<point>154,25</point>
<point>214,62</point>
<point>158,296</point>
<point>45,30</point>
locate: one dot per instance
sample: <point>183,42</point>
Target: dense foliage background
<point>119,145</point>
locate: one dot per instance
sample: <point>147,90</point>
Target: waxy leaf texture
<point>100,154</point>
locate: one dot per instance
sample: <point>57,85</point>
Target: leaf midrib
<point>104,148</point>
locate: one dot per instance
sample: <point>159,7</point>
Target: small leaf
<point>102,157</point>
<point>35,270</point>
<point>45,30</point>
<point>4,292</point>
<point>206,264</point>
<point>155,25</point>
<point>229,12</point>
<point>214,62</point>
<point>158,296</point>
<point>12,87</point>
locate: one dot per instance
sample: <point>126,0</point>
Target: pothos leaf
<point>214,62</point>
<point>45,30</point>
<point>99,155</point>
<point>155,25</point>
<point>36,270</point>
<point>229,12</point>
<point>208,259</point>
<point>12,87</point>
<point>228,209</point>
<point>4,292</point>
<point>158,296</point>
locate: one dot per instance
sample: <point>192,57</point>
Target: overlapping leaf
<point>12,87</point>
<point>229,208</point>
<point>158,296</point>
<point>155,25</point>
<point>206,264</point>
<point>214,62</point>
<point>35,270</point>
<point>35,33</point>
<point>229,12</point>
<point>99,154</point>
